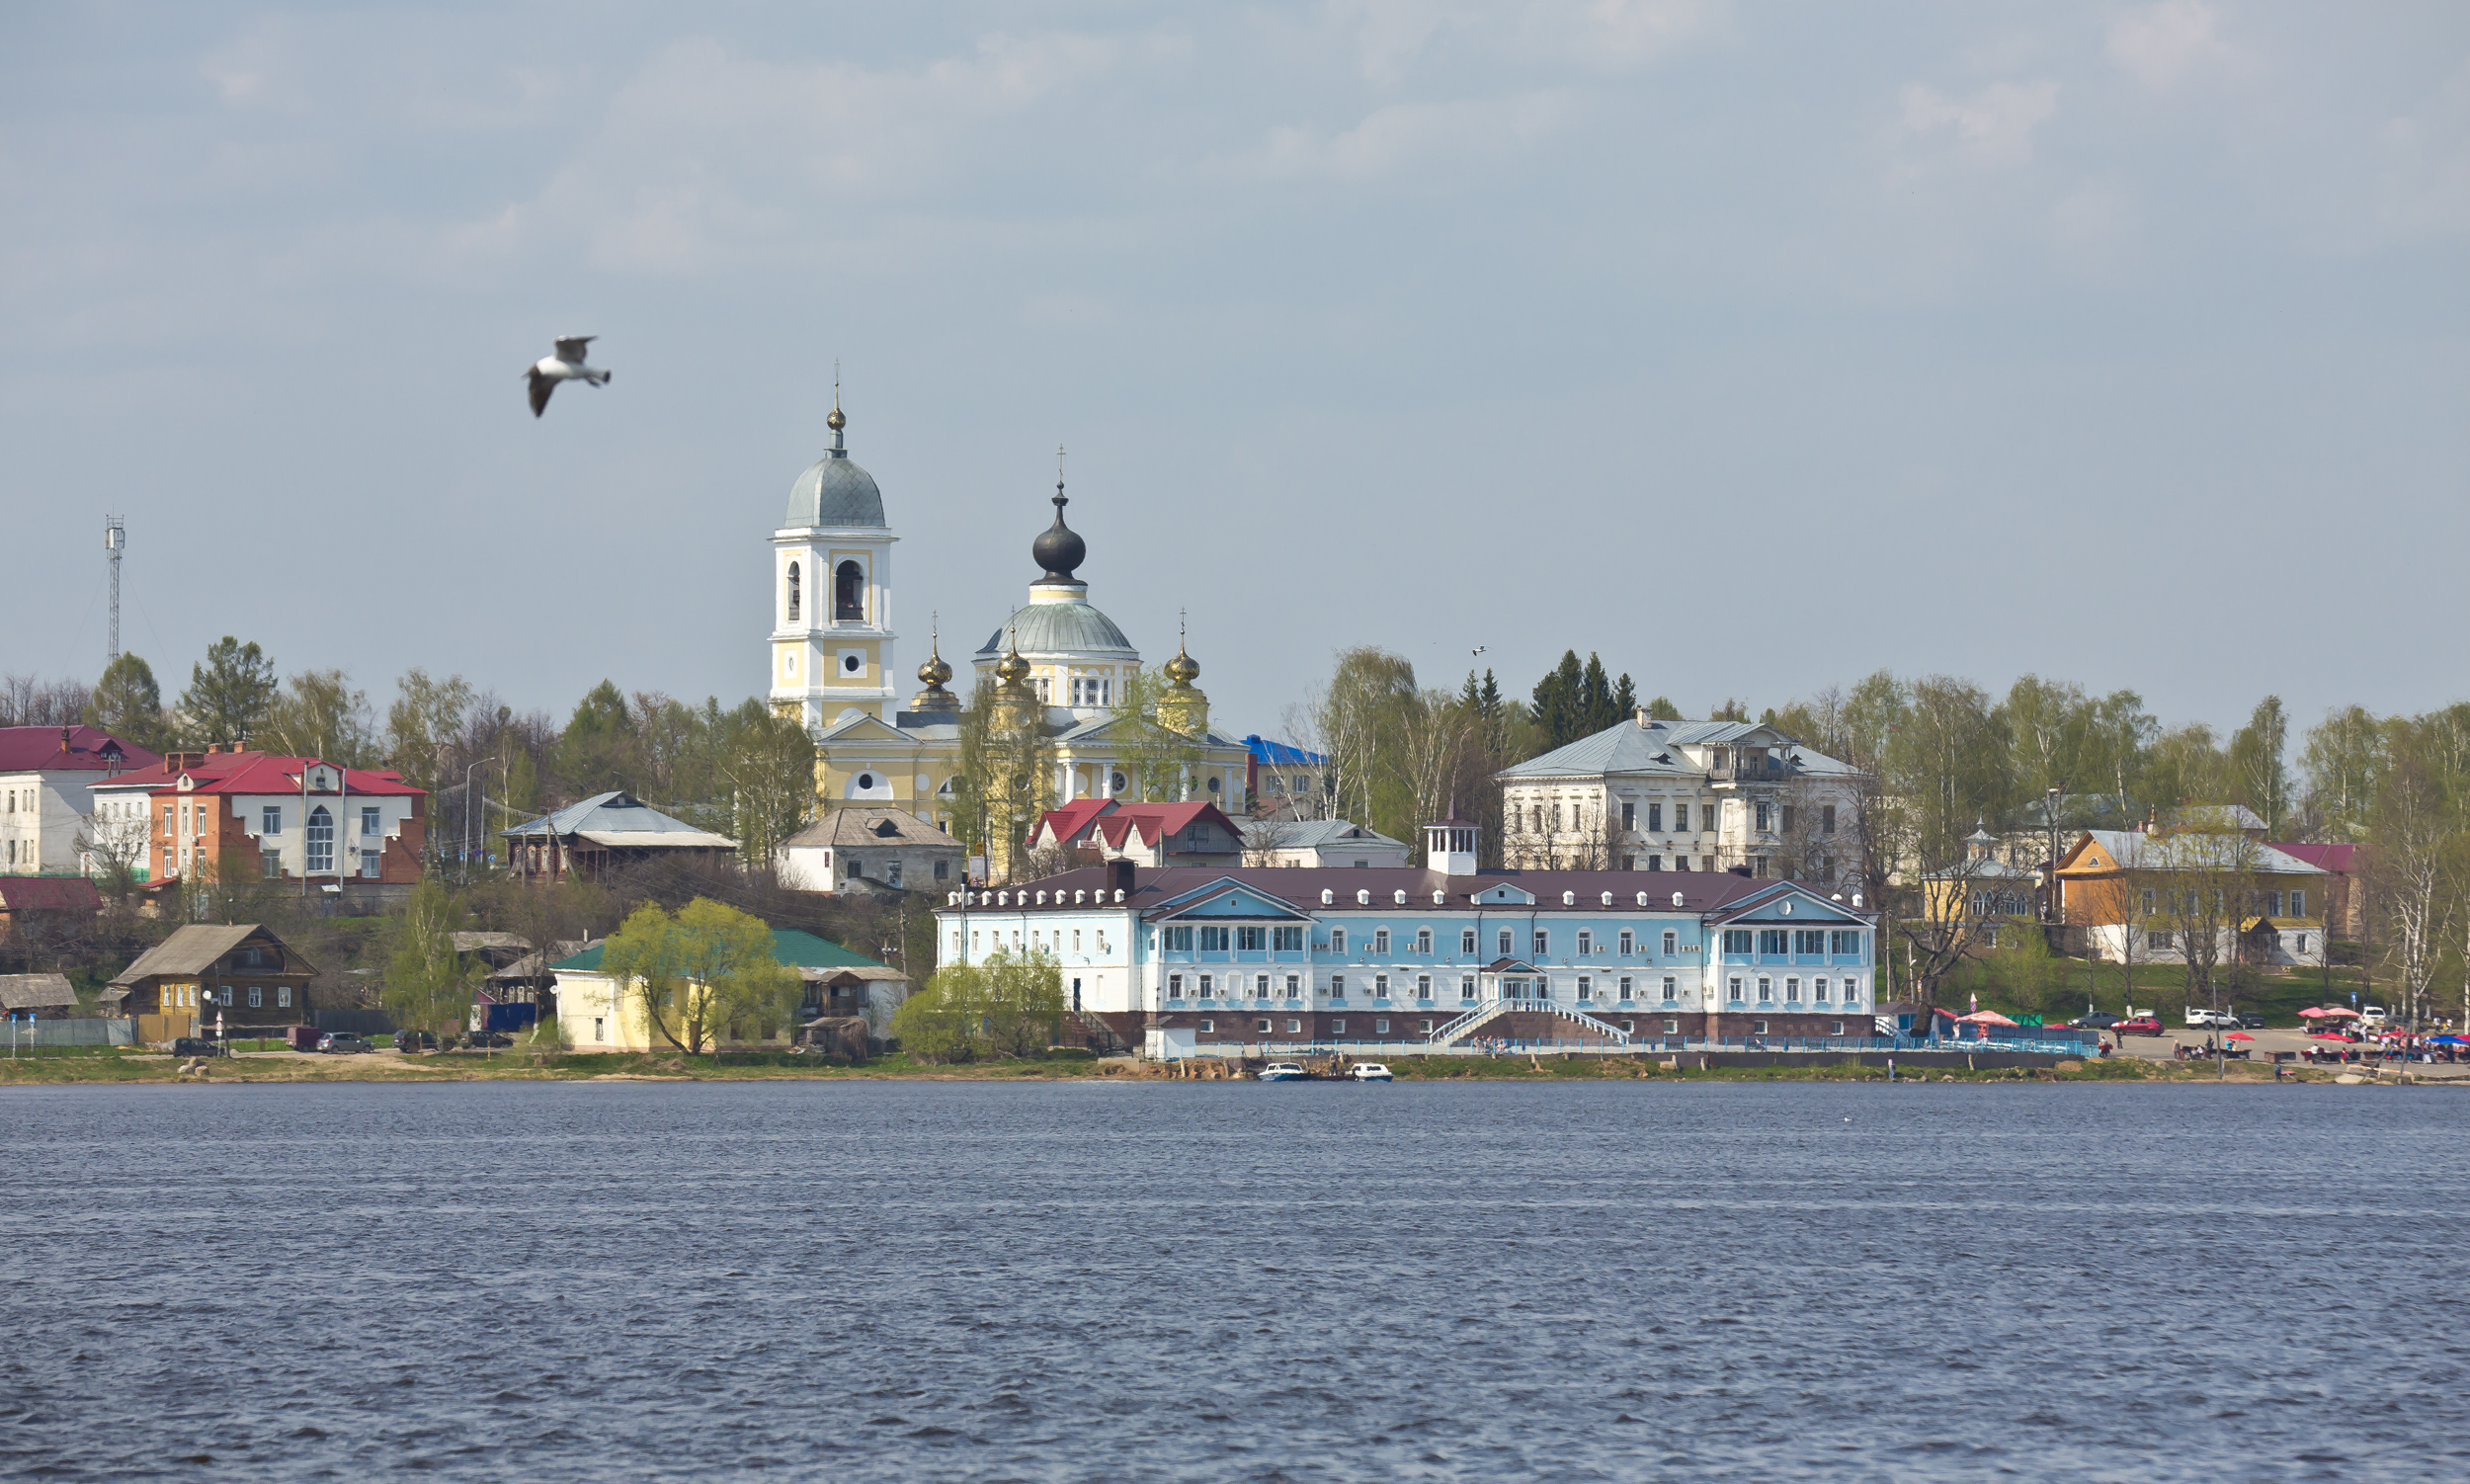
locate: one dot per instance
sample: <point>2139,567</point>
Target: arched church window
<point>322,841</point>
<point>849,591</point>
<point>793,593</point>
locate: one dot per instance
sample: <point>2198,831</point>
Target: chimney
<point>212,748</point>
<point>1120,877</point>
<point>1642,719</point>
<point>64,747</point>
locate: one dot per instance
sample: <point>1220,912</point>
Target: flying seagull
<point>566,366</point>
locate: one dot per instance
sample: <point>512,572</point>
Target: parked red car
<point>2143,1024</point>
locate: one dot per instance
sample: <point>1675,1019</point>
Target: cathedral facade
<point>1056,657</point>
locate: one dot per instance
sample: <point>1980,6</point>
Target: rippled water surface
<point>858,1280</point>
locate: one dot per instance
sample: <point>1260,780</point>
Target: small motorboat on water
<point>1284,1071</point>
<point>1369,1071</point>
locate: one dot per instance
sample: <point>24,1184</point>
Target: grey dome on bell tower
<point>1059,548</point>
<point>834,491</point>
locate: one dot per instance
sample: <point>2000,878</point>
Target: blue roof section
<point>1279,755</point>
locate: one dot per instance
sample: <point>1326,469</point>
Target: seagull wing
<point>570,346</point>
<point>541,386</point>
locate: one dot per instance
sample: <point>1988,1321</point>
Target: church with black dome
<point>833,663</point>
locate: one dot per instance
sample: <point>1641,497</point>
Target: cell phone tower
<point>115,541</point>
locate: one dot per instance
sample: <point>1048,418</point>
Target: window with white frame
<point>1380,986</point>
<point>1261,986</point>
<point>1817,992</point>
<point>2298,906</point>
<point>1671,944</point>
<point>1792,989</point>
<point>282,997</point>
<point>1380,942</point>
<point>1586,987</point>
<point>270,820</point>
<point>371,862</point>
<point>1208,983</point>
<point>1543,943</point>
<point>1625,988</point>
<point>321,841</point>
<point>1671,988</point>
<point>1248,940</point>
<point>1466,986</point>
<point>1337,986</point>
<point>1294,986</point>
<point>1380,1027</point>
<point>1766,990</point>
<point>1338,939</point>
<point>372,820</point>
<point>257,996</point>
<point>1586,943</point>
<point>1736,991</point>
<point>1508,944</point>
<point>1288,940</point>
<point>1265,1023</point>
<point>1627,942</point>
<point>1175,986</point>
<point>1424,943</point>
<point>1466,941</point>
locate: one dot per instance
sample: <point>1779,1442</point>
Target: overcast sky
<point>1756,346</point>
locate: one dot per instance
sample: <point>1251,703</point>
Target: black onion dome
<point>1058,549</point>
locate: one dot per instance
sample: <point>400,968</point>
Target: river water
<point>1077,1280</point>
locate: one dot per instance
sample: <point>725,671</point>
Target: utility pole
<point>114,541</point>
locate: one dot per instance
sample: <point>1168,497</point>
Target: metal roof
<point>618,818</point>
<point>1627,747</point>
<point>834,491</point>
<point>1059,628</point>
<point>1312,834</point>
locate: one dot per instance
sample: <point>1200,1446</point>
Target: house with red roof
<point>354,831</point>
<point>47,824</point>
<point>1147,833</point>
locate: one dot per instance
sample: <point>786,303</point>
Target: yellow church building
<point>833,662</point>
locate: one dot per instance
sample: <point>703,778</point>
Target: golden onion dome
<point>1183,669</point>
<point>935,672</point>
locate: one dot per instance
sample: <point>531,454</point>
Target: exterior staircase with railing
<point>1475,1019</point>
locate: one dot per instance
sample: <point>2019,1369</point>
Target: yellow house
<point>597,1014</point>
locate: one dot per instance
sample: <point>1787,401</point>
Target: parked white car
<point>2212,1020</point>
<point>1369,1071</point>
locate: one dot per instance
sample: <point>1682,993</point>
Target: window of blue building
<point>1736,940</point>
<point>1250,940</point>
<point>1212,939</point>
<point>1288,940</point>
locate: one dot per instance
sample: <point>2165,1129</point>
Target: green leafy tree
<point>596,751</point>
<point>2258,764</point>
<point>320,714</point>
<point>423,727</point>
<point>1158,760</point>
<point>1559,702</point>
<point>707,972</point>
<point>230,692</point>
<point>767,764</point>
<point>128,703</point>
<point>2342,760</point>
<point>1662,709</point>
<point>1011,1004</point>
<point>427,984</point>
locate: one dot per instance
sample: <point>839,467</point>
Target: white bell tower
<point>832,636</point>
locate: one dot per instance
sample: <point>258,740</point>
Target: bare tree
<point>2409,873</point>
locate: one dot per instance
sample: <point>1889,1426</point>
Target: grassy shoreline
<point>67,1066</point>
